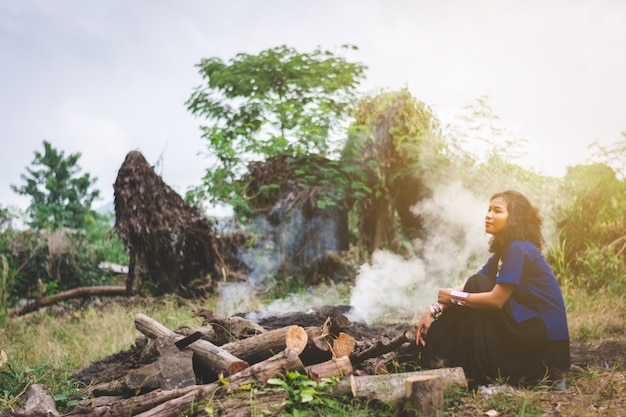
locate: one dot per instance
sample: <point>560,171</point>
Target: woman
<point>506,323</point>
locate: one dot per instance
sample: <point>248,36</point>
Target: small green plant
<point>302,389</point>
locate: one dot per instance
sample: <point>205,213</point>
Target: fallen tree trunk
<point>79,292</point>
<point>262,346</point>
<point>213,357</point>
<point>366,386</point>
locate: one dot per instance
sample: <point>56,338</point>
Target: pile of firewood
<point>201,371</point>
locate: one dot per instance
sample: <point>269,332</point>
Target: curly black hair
<point>523,223</point>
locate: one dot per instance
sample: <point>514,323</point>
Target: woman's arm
<point>492,300</point>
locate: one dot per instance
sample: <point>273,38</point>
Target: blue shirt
<point>537,292</point>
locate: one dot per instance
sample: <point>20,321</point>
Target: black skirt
<point>492,347</point>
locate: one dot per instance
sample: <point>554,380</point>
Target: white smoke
<point>313,297</point>
<point>455,246</point>
<point>236,298</point>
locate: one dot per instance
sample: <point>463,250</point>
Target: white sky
<point>105,77</point>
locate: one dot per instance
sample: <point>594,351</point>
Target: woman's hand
<point>443,296</point>
<point>422,326</point>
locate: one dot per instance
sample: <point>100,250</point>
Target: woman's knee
<point>479,283</point>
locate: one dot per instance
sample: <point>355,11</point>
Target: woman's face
<point>497,216</point>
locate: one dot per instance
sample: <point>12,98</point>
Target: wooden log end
<point>332,368</point>
<point>237,366</point>
<point>353,387</point>
<point>297,339</point>
<point>343,345</point>
<point>424,393</point>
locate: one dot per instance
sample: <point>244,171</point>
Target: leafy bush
<point>591,224</point>
<point>41,263</point>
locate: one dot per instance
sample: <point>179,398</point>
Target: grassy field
<point>49,346</point>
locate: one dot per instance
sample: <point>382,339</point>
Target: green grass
<point>597,315</point>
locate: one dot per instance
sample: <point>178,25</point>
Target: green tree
<point>393,151</point>
<point>278,103</point>
<point>59,196</point>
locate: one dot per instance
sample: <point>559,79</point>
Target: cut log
<point>80,292</point>
<point>170,403</point>
<point>94,402</point>
<point>286,360</point>
<point>213,357</point>
<point>316,336</point>
<point>180,404</point>
<point>173,369</point>
<point>228,329</point>
<point>260,403</point>
<point>381,347</point>
<point>136,404</point>
<point>323,346</point>
<point>365,386</point>
<point>37,400</point>
<point>424,394</point>
<point>207,334</point>
<point>264,345</point>
<point>318,347</point>
<point>338,324</point>
<point>332,368</point>
<point>116,387</point>
<point>343,345</point>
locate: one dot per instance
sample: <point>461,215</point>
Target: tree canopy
<point>60,196</point>
<point>278,102</point>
